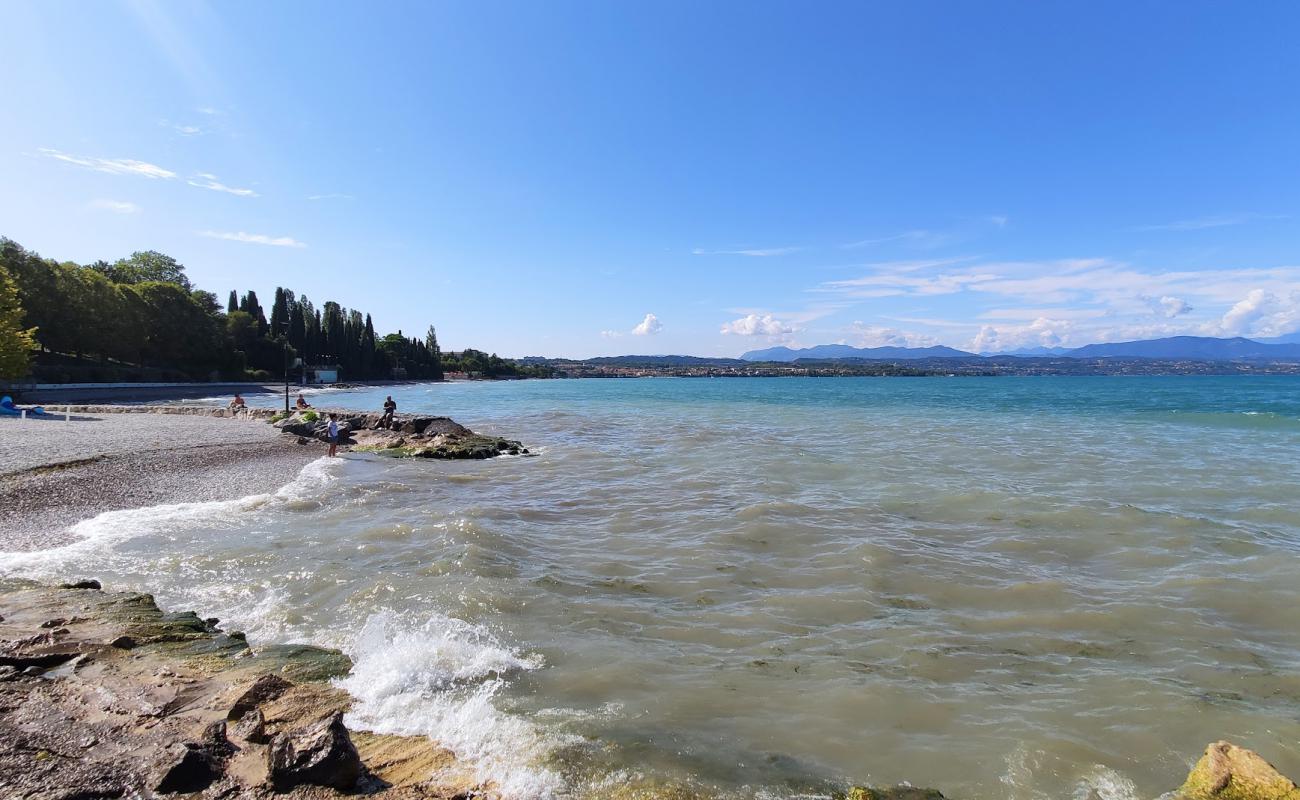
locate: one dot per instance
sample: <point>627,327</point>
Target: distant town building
<point>324,373</point>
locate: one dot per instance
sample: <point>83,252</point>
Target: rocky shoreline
<point>103,694</point>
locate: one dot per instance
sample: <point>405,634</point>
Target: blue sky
<point>578,179</point>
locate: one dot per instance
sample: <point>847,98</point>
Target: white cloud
<point>204,180</point>
<point>187,130</point>
<point>755,252</point>
<point>648,327</point>
<point>865,335</point>
<point>113,166</point>
<point>329,196</point>
<point>1261,313</point>
<point>760,325</point>
<point>999,220</point>
<point>117,206</point>
<point>1174,306</point>
<point>253,238</point>
<point>1042,332</point>
<point>209,110</point>
<point>611,334</point>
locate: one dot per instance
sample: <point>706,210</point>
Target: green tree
<point>279,314</point>
<point>16,341</point>
<point>146,266</point>
<point>232,305</point>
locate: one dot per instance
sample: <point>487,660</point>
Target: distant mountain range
<point>834,351</point>
<point>1191,348</point>
<point>1200,348</point>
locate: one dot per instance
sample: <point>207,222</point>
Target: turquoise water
<point>1003,588</point>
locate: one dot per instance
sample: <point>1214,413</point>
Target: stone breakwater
<point>103,694</point>
<point>403,436</point>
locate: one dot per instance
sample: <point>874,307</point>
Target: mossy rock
<point>896,793</point>
<point>1228,772</point>
<point>299,663</point>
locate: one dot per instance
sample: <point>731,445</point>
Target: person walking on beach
<point>334,435</point>
<point>390,408</point>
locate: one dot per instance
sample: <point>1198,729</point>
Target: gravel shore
<point>55,473</point>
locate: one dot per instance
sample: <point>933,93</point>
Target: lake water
<point>1001,588</point>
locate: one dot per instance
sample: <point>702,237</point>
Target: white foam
<point>106,529</point>
<point>1104,783</point>
<point>439,679</point>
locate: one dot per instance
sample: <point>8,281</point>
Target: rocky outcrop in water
<point>404,436</point>
<point>104,695</point>
<point>1228,772</point>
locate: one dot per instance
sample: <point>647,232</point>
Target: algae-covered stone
<point>895,793</point>
<point>1228,772</point>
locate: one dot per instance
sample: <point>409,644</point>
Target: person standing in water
<point>334,435</point>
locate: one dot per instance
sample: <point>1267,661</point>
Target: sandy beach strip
<point>54,474</point>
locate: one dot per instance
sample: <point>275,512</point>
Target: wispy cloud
<point>113,166</point>
<point>915,236</point>
<point>1063,312</point>
<point>130,166</point>
<point>204,180</point>
<point>183,130</point>
<point>209,110</point>
<point>757,252</point>
<point>253,238</point>
<point>116,206</point>
<point>330,196</point>
<point>1200,223</point>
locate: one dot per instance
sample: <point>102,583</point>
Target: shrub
<point>311,416</point>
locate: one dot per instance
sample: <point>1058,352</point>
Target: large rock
<point>322,755</point>
<point>1228,772</point>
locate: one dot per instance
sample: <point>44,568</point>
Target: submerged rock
<point>1228,772</point>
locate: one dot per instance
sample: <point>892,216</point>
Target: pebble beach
<point>55,473</point>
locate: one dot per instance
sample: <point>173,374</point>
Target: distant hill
<point>834,351</point>
<point>1201,348</point>
<point>1290,338</point>
<point>659,361</point>
<point>1033,351</point>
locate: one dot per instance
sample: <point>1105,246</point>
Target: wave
<point>438,679</point>
<point>112,527</point>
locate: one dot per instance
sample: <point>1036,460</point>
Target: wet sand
<point>54,474</point>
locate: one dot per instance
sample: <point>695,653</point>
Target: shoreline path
<point>54,474</point>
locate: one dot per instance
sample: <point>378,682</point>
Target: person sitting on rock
<point>390,408</point>
<point>302,404</point>
<point>238,404</point>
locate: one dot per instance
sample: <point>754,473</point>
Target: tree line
<point>140,318</point>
